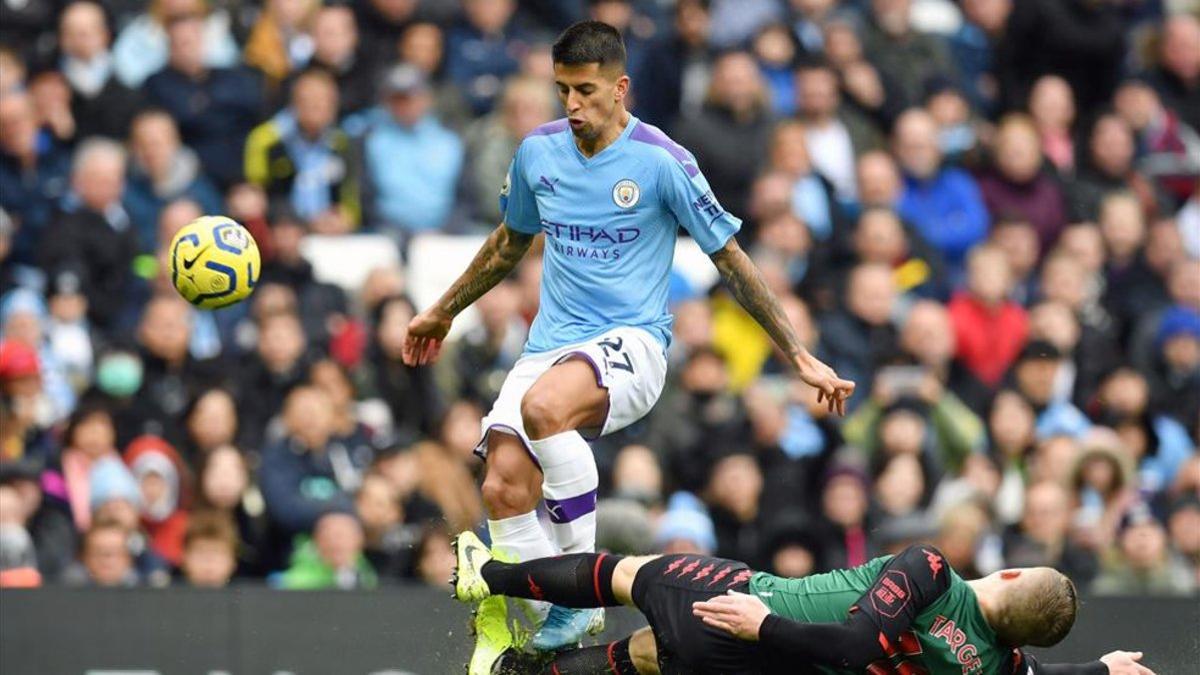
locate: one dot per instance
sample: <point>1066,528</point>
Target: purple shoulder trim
<point>550,128</point>
<point>648,133</point>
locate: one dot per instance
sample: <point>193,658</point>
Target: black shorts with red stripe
<point>664,590</point>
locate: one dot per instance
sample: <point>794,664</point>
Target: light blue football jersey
<point>610,223</point>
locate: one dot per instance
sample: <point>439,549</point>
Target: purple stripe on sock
<point>648,133</point>
<point>565,510</point>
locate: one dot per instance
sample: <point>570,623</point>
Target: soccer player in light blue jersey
<point>609,194</point>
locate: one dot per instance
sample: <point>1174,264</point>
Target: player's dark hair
<point>589,42</point>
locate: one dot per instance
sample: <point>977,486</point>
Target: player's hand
<point>739,614</point>
<point>425,334</point>
<point>1125,663</point>
<point>830,388</point>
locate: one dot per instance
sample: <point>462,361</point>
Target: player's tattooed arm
<point>497,257</point>
<point>746,283</point>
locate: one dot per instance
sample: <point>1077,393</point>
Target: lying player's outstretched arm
<point>875,624</point>
<point>497,257</point>
<point>747,285</point>
<point>1113,663</point>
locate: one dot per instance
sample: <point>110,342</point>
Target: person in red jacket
<point>989,328</point>
<point>166,492</point>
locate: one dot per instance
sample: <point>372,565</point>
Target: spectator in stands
<point>675,71</point>
<point>845,537</point>
<point>1081,42</point>
<point>422,44</point>
<point>409,392</point>
<point>435,555</point>
<point>166,495</point>
<point>1183,524</point>
<point>483,50</point>
<point>93,232</point>
<point>859,336</point>
<point>1130,285</point>
<point>974,45</point>
<point>89,437</point>
<point>907,58</point>
<point>105,558</point>
<point>278,364</point>
<point>299,155</point>
<point>943,203</point>
<point>775,52</point>
<point>836,134</point>
<point>225,487</point>
<point>412,161</point>
<point>1176,75</point>
<point>33,174</point>
<point>880,238</point>
<point>332,559</point>
<point>211,422</point>
<point>733,497</point>
<point>1019,242</point>
<point>879,181</point>
<point>280,42</point>
<point>959,128</point>
<point>492,140</point>
<point>1143,562</point>
<point>18,557</point>
<point>335,45</point>
<point>1167,147</point>
<point>487,350</point>
<point>989,329</point>
<point>209,550</point>
<point>1041,538</point>
<point>1011,423</point>
<point>100,104</point>
<point>1052,106</point>
<point>170,374</point>
<point>382,22</point>
<point>729,135</point>
<point>215,107</point>
<point>1035,374</point>
<point>115,498</point>
<point>142,47</point>
<point>1107,167</point>
<point>320,305</point>
<point>1177,361</point>
<point>161,171</point>
<point>24,320</point>
<point>811,197</point>
<point>388,540</point>
<point>716,420</point>
<point>304,474</point>
<point>348,429</point>
<point>1017,187</point>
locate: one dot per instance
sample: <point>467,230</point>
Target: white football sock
<point>518,539</point>
<point>569,488</point>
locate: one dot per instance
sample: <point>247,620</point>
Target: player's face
<point>590,95</point>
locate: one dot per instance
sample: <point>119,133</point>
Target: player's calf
<point>581,580</point>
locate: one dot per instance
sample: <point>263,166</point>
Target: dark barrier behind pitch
<point>254,631</point>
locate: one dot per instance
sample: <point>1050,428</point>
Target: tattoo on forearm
<point>497,257</point>
<point>750,289</point>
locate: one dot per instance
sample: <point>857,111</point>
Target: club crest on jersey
<point>626,193</point>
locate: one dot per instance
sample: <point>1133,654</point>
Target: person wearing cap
<point>1142,562</point>
<point>21,389</point>
<point>24,319</point>
<point>68,332</point>
<point>412,161</point>
<point>1177,366</point>
<point>685,527</point>
<point>300,155</point>
<point>1035,375</point>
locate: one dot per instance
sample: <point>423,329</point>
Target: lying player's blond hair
<point>1039,611</point>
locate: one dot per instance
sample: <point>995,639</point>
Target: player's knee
<point>644,652</point>
<point>510,488</point>
<point>543,414</point>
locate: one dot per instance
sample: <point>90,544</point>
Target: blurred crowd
<point>985,212</point>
